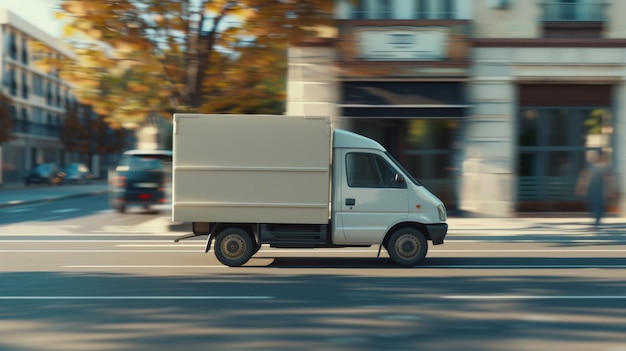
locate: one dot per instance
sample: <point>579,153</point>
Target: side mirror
<point>399,178</point>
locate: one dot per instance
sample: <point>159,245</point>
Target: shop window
<point>553,143</point>
<point>557,119</point>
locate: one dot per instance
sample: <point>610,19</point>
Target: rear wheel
<point>407,246</point>
<point>234,247</point>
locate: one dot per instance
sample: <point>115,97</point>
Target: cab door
<point>371,198</point>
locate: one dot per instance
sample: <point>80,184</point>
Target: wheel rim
<point>233,246</point>
<point>407,246</point>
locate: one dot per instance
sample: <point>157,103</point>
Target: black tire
<point>121,208</point>
<point>234,247</point>
<point>407,246</point>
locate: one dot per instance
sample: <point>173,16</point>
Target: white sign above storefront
<point>402,43</point>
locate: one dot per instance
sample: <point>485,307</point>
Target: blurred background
<point>493,104</point>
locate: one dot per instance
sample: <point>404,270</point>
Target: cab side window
<point>365,170</point>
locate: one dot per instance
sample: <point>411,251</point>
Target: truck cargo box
<point>251,169</point>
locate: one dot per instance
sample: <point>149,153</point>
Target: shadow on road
<point>242,311</point>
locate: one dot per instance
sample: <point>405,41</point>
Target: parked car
<point>77,173</point>
<point>45,173</point>
<point>140,179</point>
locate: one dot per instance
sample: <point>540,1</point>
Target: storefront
<point>537,114</point>
<point>420,123</point>
<point>558,126</point>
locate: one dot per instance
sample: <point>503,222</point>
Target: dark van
<point>140,179</point>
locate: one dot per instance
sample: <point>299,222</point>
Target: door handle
<point>350,202</point>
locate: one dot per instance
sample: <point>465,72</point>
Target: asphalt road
<point>94,279</point>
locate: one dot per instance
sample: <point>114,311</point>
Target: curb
<point>48,199</point>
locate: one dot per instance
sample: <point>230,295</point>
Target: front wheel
<point>234,247</point>
<point>407,246</point>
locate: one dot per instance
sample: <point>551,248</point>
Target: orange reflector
<point>418,206</point>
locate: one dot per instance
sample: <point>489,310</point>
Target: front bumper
<point>437,232</point>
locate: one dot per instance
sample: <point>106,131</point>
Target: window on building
<point>12,46</point>
<point>422,9</point>
<point>49,93</point>
<point>25,86</point>
<point>567,10</point>
<point>13,113</point>
<point>435,9</point>
<point>38,85</point>
<point>574,10</point>
<point>12,82</point>
<point>360,10</point>
<point>25,57</point>
<point>385,9</point>
<point>22,125</point>
<point>57,95</point>
<point>448,10</point>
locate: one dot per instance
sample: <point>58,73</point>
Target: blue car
<point>45,173</point>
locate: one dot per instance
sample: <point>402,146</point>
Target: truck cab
<point>373,195</point>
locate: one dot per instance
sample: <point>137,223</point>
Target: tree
<point>137,57</point>
<point>6,123</point>
<point>73,133</point>
<point>88,134</point>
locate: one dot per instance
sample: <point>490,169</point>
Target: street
<point>75,275</point>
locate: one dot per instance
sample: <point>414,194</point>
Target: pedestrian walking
<point>596,183</point>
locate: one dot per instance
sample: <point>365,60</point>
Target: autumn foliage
<point>136,58</point>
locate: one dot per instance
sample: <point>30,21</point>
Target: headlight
<point>442,213</point>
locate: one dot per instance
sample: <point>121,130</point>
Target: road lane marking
<point>93,233</point>
<point>527,266</point>
<point>540,241</point>
<point>473,266</point>
<point>534,297</point>
<point>164,297</point>
<point>140,266</point>
<point>95,251</point>
<point>528,250</point>
<point>62,241</point>
<point>18,210</point>
<point>47,219</point>
<point>65,210</point>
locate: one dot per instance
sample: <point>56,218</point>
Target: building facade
<point>38,99</point>
<point>38,102</point>
<point>493,104</point>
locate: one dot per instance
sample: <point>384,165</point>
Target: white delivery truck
<point>295,182</point>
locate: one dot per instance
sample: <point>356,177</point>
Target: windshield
<point>407,174</point>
